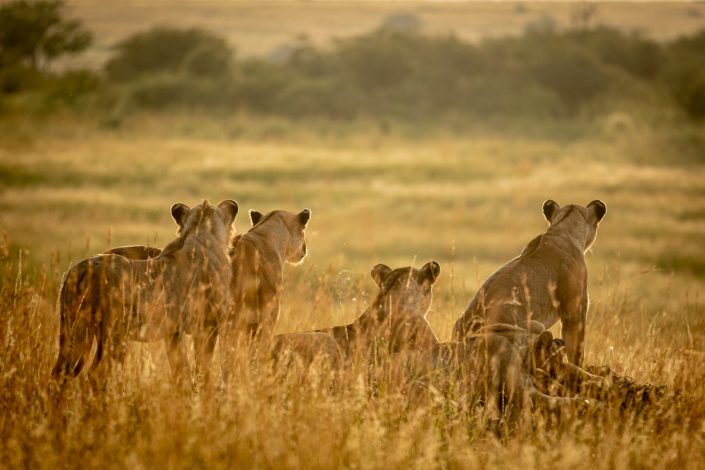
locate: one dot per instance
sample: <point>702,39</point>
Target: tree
<point>195,52</point>
<point>33,33</point>
<point>684,74</point>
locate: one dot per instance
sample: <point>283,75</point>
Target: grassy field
<point>260,28</point>
<point>70,188</point>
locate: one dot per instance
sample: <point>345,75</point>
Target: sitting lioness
<point>183,290</point>
<point>546,283</point>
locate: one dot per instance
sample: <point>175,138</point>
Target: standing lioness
<point>258,258</point>
<point>546,283</point>
<point>183,290</point>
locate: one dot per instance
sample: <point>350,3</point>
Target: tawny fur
<point>183,290</point>
<point>546,283</point>
<point>134,252</point>
<point>395,319</point>
<point>258,258</point>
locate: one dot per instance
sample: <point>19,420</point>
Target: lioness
<point>547,282</point>
<point>258,258</point>
<point>395,319</point>
<point>508,369</point>
<point>183,290</point>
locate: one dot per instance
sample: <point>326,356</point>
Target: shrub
<point>684,74</point>
<point>170,50</point>
<point>631,52</point>
<point>166,91</point>
<point>573,75</point>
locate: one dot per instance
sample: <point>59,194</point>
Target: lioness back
<point>134,252</point>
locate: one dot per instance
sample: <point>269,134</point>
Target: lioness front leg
<point>178,360</point>
<point>573,333</point>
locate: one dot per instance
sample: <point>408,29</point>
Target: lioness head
<point>406,291</point>
<point>205,218</point>
<point>581,221</point>
<point>296,227</point>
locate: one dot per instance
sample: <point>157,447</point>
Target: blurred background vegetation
<point>396,73</point>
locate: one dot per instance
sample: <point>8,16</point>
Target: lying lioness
<point>507,368</point>
<point>395,320</point>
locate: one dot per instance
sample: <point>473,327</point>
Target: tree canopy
<point>34,33</point>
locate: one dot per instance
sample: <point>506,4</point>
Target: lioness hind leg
<point>204,345</point>
<point>110,354</point>
<point>72,358</point>
<point>74,348</point>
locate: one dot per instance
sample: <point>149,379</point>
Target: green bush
<point>684,74</point>
<point>638,56</point>
<point>167,91</point>
<point>16,77</point>
<point>323,96</point>
<point>573,75</point>
<point>394,73</point>
<point>169,50</point>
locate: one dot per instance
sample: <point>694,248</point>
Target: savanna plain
<point>73,184</point>
<point>74,189</point>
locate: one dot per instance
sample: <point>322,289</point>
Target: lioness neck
<point>275,236</point>
<point>212,248</point>
<point>569,233</point>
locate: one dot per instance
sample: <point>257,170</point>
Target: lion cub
<point>547,282</point>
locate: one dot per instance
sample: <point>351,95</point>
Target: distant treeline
<point>390,73</point>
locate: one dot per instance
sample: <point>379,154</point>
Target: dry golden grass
<point>68,190</point>
<point>259,28</point>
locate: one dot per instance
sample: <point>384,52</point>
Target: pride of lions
<point>226,290</point>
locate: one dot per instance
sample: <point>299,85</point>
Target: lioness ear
<point>304,216</point>
<point>543,341</point>
<point>235,241</point>
<point>180,213</point>
<point>432,270</point>
<point>550,207</point>
<point>597,209</point>
<point>255,216</point>
<point>380,273</point>
<point>229,208</point>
